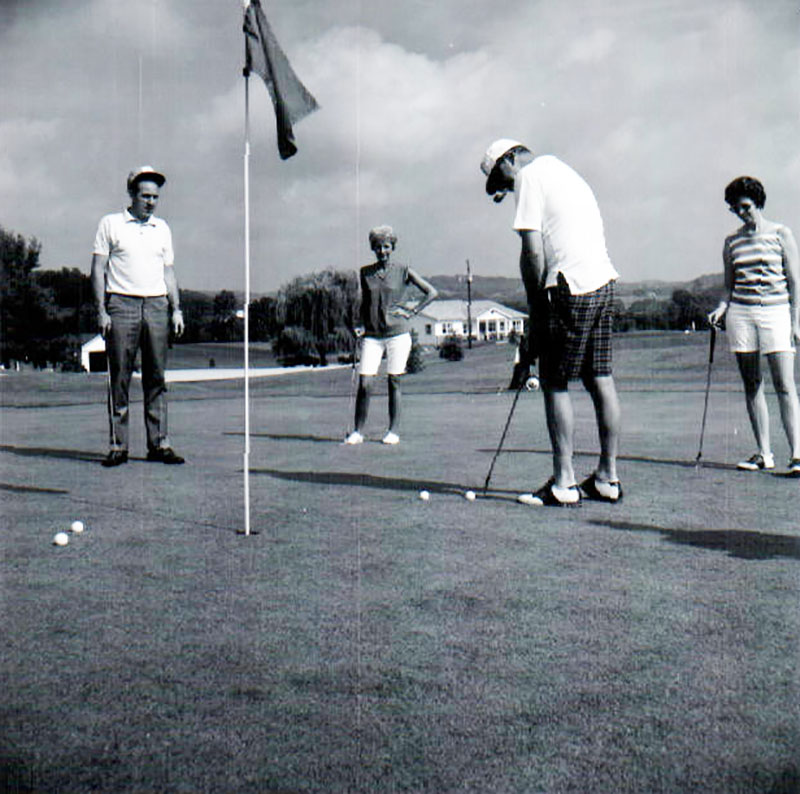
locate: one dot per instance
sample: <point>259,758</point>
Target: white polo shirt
<point>554,200</point>
<point>137,251</point>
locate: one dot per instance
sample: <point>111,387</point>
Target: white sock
<point>565,495</point>
<point>607,489</point>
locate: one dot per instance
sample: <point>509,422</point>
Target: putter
<point>711,345</point>
<point>503,436</point>
<point>354,376</point>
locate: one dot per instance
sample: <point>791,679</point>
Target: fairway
<point>365,640</point>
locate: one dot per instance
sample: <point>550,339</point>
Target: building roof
<point>450,310</point>
<point>93,343</point>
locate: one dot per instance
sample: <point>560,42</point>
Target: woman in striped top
<point>762,280</point>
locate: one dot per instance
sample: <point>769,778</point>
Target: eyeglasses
<point>742,206</point>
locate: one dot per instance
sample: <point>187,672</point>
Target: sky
<point>657,103</point>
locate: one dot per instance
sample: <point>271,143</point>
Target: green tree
<point>451,349</point>
<point>263,319</point>
<point>198,314</point>
<point>226,326</point>
<point>26,308</point>
<point>71,290</point>
<point>323,304</point>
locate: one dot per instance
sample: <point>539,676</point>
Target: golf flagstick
<point>291,102</point>
<point>711,345</point>
<point>503,436</point>
<point>246,462</point>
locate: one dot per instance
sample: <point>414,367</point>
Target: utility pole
<point>469,307</point>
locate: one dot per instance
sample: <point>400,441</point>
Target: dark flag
<point>264,56</point>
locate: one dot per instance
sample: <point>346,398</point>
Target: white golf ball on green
<point>77,527</point>
<point>61,539</point>
<point>424,495</point>
<point>470,496</point>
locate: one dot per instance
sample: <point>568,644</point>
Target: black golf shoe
<point>115,458</point>
<point>164,455</point>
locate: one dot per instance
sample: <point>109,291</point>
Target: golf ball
<point>61,539</point>
<point>77,527</point>
<point>424,495</point>
<point>470,496</point>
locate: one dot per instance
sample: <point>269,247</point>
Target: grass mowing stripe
<point>95,503</point>
<point>6,486</point>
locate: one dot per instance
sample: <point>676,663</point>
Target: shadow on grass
<point>48,452</point>
<point>740,543</point>
<point>7,486</point>
<point>686,464</point>
<point>788,781</point>
<point>786,475</point>
<point>15,774</point>
<point>290,437</point>
<point>384,483</point>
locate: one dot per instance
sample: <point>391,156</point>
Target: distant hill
<point>510,292</point>
<point>502,289</point>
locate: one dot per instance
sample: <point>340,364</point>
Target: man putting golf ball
<point>569,281</point>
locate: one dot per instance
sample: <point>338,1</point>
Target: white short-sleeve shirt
<point>554,200</point>
<point>137,251</point>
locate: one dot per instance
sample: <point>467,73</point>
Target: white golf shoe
<point>354,438</point>
<point>757,462</point>
<point>391,438</point>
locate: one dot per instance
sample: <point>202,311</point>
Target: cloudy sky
<point>658,103</point>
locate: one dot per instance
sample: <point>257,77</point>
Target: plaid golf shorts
<point>575,334</point>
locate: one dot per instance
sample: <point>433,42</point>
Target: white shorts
<point>397,349</point>
<point>767,329</point>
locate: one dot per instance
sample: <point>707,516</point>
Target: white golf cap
<point>495,152</point>
<point>145,172</point>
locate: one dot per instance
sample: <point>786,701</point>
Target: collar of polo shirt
<point>130,218</point>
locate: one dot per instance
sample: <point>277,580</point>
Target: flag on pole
<point>264,56</point>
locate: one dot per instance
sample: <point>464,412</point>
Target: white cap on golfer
<point>495,152</point>
<point>148,173</point>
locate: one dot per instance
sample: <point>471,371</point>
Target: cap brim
<point>153,176</point>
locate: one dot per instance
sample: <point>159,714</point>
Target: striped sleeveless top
<point>758,275</point>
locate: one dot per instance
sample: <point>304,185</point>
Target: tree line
<point>45,315</point>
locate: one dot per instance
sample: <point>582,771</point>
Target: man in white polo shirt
<point>569,280</point>
<point>136,292</point>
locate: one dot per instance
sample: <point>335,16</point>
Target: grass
<point>366,641</point>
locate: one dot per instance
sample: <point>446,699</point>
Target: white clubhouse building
<point>491,321</point>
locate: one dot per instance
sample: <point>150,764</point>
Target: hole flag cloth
<point>264,56</point>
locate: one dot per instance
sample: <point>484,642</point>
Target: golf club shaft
<point>354,378</point>
<point>503,436</point>
<point>711,345</point>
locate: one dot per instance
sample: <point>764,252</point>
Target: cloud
<point>21,165</point>
<point>590,48</point>
<point>146,25</point>
<point>657,103</point>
